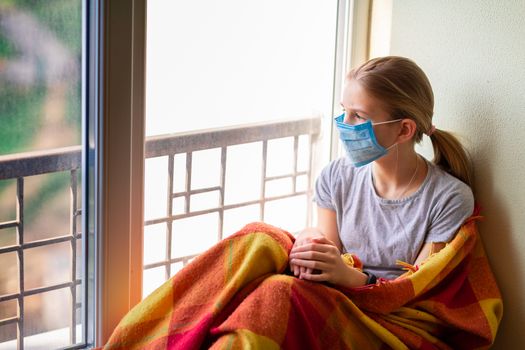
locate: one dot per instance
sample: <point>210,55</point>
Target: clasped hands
<point>316,258</point>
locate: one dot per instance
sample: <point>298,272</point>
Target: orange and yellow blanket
<point>240,295</point>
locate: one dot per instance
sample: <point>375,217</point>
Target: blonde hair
<point>405,92</point>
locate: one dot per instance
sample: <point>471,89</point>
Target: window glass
<point>216,64</point>
<point>41,282</point>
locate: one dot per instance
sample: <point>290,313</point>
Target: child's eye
<point>357,116</point>
<point>353,116</point>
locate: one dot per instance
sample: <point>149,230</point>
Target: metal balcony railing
<point>224,138</point>
<point>20,166</point>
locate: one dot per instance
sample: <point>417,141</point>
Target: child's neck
<point>398,175</point>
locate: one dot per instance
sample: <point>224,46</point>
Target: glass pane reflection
<point>40,110</point>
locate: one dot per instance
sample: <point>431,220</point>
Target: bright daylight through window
<point>230,64</point>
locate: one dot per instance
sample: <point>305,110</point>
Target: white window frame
<point>118,137</point>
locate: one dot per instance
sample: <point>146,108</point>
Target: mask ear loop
<point>397,157</point>
<point>390,147</point>
<point>397,161</point>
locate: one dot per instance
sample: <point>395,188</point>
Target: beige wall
<point>474,54</point>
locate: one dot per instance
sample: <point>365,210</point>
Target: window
<point>130,144</point>
<point>221,78</point>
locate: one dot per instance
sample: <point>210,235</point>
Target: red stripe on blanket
<point>191,339</point>
<point>302,319</point>
<point>455,291</point>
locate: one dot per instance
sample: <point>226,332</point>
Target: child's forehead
<point>356,99</point>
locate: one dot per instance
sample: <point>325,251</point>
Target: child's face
<point>360,106</point>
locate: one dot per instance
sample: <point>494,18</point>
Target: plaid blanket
<point>241,295</point>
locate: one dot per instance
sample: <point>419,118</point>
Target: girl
<point>383,202</point>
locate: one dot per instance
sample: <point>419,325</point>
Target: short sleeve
<point>324,191</point>
<point>454,207</point>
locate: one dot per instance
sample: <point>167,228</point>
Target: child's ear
<point>408,130</point>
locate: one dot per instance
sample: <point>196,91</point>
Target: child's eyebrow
<point>360,111</point>
<point>357,111</point>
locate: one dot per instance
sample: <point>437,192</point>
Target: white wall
<point>474,54</point>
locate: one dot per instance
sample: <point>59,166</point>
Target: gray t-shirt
<point>380,231</point>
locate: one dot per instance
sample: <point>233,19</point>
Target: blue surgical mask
<point>360,141</point>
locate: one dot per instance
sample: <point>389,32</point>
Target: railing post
<point>222,191</point>
<point>263,178</point>
<point>73,233</point>
<point>21,288</point>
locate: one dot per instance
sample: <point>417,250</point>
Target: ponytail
<point>450,156</point>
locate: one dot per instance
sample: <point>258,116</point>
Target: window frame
<point>115,147</point>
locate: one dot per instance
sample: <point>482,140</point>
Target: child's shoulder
<point>447,186</point>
